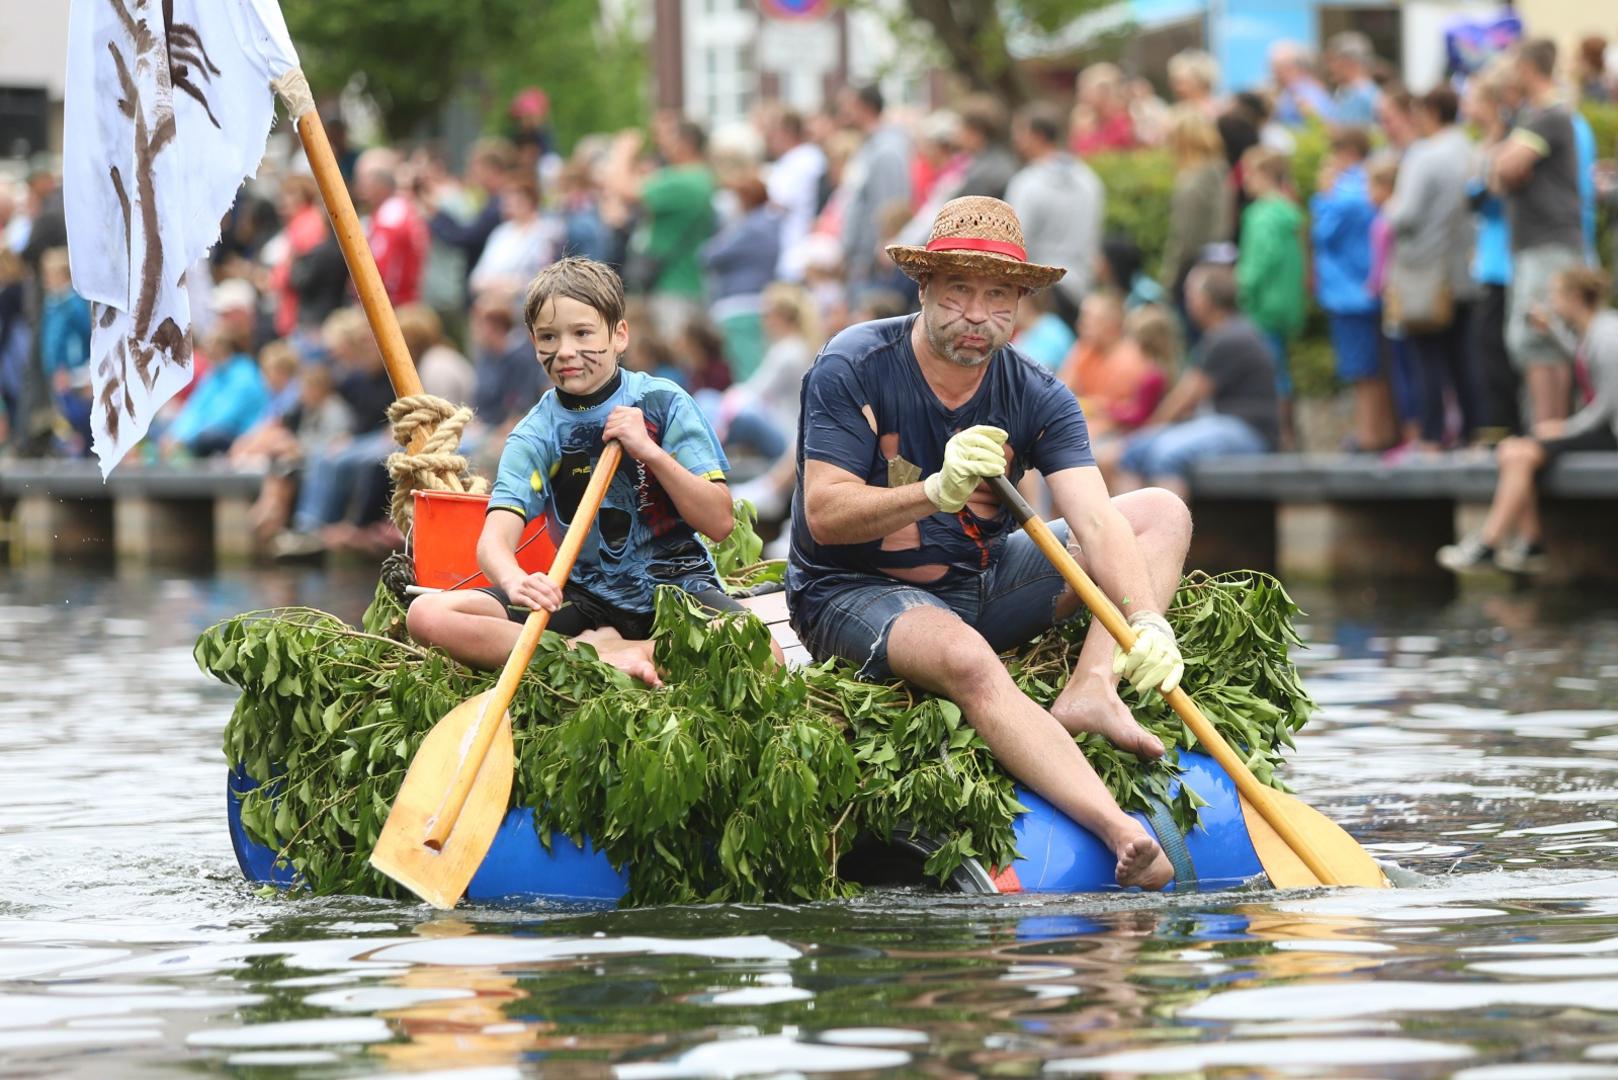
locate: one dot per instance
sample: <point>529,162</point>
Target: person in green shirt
<point>1270,279</point>
<point>676,202</point>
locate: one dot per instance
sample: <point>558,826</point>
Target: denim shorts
<point>1012,602</point>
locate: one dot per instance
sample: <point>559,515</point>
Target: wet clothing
<point>867,409</point>
<point>639,540</point>
<point>1011,603</point>
<point>583,610</point>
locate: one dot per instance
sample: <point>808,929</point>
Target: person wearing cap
<point>904,563</point>
<point>232,397</point>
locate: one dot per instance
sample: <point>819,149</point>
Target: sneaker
<point>297,547</point>
<point>1522,559</point>
<point>1469,555</point>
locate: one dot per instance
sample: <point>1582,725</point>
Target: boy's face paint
<point>573,345</point>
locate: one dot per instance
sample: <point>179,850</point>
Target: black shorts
<point>583,610</point>
<point>1594,440</point>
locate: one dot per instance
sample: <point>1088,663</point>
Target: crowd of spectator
<point>1440,227</point>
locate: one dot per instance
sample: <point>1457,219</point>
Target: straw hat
<point>976,235</point>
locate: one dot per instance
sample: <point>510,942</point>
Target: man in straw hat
<point>905,563</point>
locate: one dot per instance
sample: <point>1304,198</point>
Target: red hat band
<point>973,243</point>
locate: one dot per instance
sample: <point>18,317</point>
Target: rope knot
<point>431,426</point>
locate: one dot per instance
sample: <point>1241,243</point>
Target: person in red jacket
<point>396,231</point>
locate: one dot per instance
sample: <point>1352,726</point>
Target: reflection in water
<point>1474,744</point>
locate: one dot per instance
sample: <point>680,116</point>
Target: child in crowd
<point>1341,216</point>
<point>1115,382</point>
<point>232,397</point>
<point>443,370</point>
<point>700,352</point>
<point>1581,324</point>
<point>1041,333</point>
<point>64,349</point>
<point>670,486</point>
<point>761,413</point>
<point>1270,267</point>
<point>318,424</point>
<point>1380,176</point>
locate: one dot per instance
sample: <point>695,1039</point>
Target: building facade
<point>33,66</point>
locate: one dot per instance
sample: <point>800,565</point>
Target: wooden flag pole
<point>293,89</point>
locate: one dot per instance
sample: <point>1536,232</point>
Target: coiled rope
<point>436,465</point>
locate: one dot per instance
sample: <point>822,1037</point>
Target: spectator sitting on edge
<point>1512,535</point>
<point>1232,371</point>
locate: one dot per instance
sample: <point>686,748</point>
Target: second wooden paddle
<point>454,796</point>
<point>1296,844</point>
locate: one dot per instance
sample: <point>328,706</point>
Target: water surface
<point>1475,741</point>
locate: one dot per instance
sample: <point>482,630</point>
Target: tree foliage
<point>975,35</point>
<point>416,56</point>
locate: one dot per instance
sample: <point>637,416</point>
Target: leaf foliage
<point>739,780</point>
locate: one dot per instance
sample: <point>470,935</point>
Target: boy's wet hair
<point>592,283</point>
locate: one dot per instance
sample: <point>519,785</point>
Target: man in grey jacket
<point>1059,201</point>
<point>1432,255</point>
<point>875,178</point>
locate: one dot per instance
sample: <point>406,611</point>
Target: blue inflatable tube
<point>1057,855</point>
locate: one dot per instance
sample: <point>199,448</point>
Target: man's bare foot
<point>1091,705</point>
<point>1141,862</point>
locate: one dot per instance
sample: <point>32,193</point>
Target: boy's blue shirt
<point>639,540</point>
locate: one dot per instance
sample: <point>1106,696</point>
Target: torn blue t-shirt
<point>868,410</point>
<point>638,541</point>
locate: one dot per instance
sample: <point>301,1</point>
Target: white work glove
<point>969,456</point>
<point>1155,661</point>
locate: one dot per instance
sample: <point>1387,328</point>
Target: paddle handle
<point>356,252</point>
<point>482,733</point>
<point>1103,609</point>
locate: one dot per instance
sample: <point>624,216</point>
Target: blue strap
<point>1172,840</point>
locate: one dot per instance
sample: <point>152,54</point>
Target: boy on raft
<point>670,485</point>
<point>903,562</point>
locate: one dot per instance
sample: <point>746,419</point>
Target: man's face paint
<point>574,346</point>
<point>967,318</point>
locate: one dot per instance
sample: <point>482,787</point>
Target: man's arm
<point>1514,159</point>
<point>1100,531</point>
<point>1192,390</point>
<point>841,508</point>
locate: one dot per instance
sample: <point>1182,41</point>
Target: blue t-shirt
<point>638,541</point>
<point>867,409</point>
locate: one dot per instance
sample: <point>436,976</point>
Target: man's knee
<point>957,656</point>
<point>1157,508</point>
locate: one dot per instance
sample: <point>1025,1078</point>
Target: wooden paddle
<point>1296,844</point>
<point>454,796</point>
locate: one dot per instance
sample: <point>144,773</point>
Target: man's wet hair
<point>594,284</point>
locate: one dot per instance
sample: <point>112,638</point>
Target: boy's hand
<point>627,424</point>
<point>532,591</point>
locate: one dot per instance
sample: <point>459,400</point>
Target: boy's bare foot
<point>633,658</point>
<point>1141,862</point>
<point>1091,705</point>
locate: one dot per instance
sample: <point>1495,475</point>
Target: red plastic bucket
<point>444,541</point>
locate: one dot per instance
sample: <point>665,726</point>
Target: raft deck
<point>772,608</point>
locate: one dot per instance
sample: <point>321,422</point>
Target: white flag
<point>168,110</point>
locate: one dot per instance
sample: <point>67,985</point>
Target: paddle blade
<point>440,877</point>
<point>1339,850</point>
